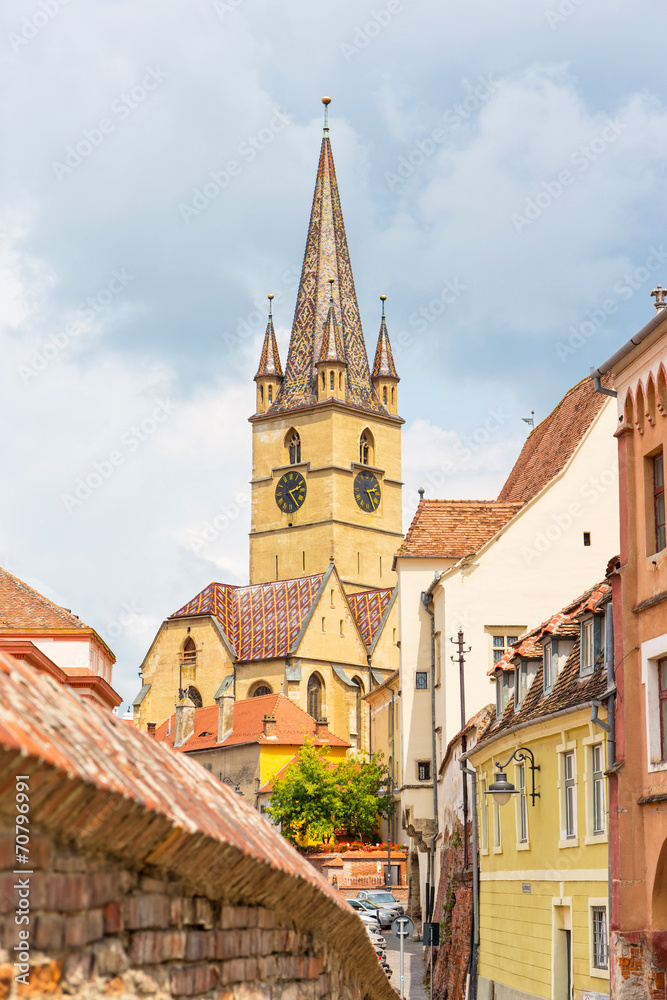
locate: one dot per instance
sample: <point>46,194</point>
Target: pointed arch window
<point>294,448</point>
<point>332,384</point>
<point>315,697</point>
<point>324,381</point>
<point>384,395</point>
<point>270,394</point>
<point>366,448</point>
<point>261,690</point>
<point>193,694</point>
<point>189,650</point>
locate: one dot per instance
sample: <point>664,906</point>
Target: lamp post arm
<point>520,755</point>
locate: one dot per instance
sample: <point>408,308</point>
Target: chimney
<point>269,725</point>
<point>225,715</point>
<point>185,721</point>
<point>321,727</point>
<point>151,729</point>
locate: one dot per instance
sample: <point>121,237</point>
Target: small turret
<point>331,364</point>
<point>385,378</point>
<point>269,375</point>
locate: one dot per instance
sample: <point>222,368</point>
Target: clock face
<point>290,492</point>
<point>367,491</point>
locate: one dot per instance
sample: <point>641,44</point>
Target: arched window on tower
<point>324,381</point>
<point>270,394</point>
<point>315,697</point>
<point>261,393</point>
<point>294,449</point>
<point>365,448</point>
<point>261,689</point>
<point>384,395</point>
<point>189,650</point>
<point>332,384</point>
<point>193,694</point>
<point>359,694</point>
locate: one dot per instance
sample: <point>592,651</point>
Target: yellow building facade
<point>543,915</point>
<point>319,620</point>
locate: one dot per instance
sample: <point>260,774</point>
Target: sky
<point>502,169</point>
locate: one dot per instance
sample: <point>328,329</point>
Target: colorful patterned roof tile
<point>260,622</point>
<point>452,529</point>
<point>293,726</point>
<point>326,256</point>
<point>552,443</point>
<point>368,607</point>
<point>332,348</point>
<point>269,362</point>
<point>383,366</point>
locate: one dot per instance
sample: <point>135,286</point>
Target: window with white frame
<point>501,644</point>
<point>587,647</point>
<point>504,685</point>
<point>569,795</point>
<point>497,839</point>
<point>520,683</point>
<point>521,806</point>
<point>599,938</point>
<point>548,668</point>
<point>484,812</point>
<point>598,789</point>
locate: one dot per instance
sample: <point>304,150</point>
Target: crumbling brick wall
<point>453,911</point>
<point>98,929</point>
<point>639,965</point>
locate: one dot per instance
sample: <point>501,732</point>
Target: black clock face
<point>290,492</point>
<point>367,491</point>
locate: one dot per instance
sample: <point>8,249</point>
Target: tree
<point>315,797</point>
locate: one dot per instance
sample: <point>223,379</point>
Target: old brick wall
<point>639,966</point>
<point>98,929</point>
<point>453,911</point>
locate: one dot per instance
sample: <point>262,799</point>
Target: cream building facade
<point>491,569</point>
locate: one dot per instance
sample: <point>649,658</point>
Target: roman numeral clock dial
<point>290,492</point>
<point>367,491</point>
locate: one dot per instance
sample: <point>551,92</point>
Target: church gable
<point>331,632</point>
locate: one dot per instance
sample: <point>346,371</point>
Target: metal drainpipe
<point>611,735</point>
<point>427,598</point>
<point>472,995</point>
<point>390,823</point>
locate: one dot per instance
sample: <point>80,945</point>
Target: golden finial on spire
<point>383,299</point>
<point>326,101</point>
<point>270,298</point>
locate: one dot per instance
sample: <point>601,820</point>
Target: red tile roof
<point>553,442</point>
<point>293,726</point>
<point>24,610</point>
<point>260,622</point>
<point>451,529</point>
<point>369,607</point>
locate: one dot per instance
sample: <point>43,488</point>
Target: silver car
<point>369,918</point>
<point>385,916</point>
<point>383,898</point>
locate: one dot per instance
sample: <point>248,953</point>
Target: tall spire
<point>327,256</point>
<point>269,362</point>
<point>383,366</point>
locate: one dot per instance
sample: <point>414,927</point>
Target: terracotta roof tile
<point>23,609</point>
<point>451,529</point>
<point>293,726</point>
<point>553,442</point>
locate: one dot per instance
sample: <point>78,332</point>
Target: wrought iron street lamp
<point>502,789</point>
<point>230,781</point>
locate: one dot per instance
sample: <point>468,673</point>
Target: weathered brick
<point>266,919</point>
<point>76,931</point>
<point>187,911</point>
<point>203,912</point>
<point>314,968</point>
<point>193,979</point>
<point>66,891</point>
<point>78,968</point>
<point>104,887</point>
<point>234,916</point>
<point>66,861</point>
<point>147,910</point>
<point>111,957</point>
<point>226,944</point>
<point>199,944</point>
<point>147,884</point>
<point>113,918</point>
<point>49,932</point>
<point>38,851</point>
<point>280,939</point>
<point>267,966</point>
<point>256,941</point>
<point>245,942</point>
<point>267,942</point>
<point>250,969</point>
<point>233,972</point>
<point>145,948</point>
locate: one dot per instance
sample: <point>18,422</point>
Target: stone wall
<point>453,911</point>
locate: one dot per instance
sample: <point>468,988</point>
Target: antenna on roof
<point>530,420</point>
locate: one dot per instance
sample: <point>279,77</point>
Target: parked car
<point>366,916</point>
<point>385,916</point>
<point>383,898</point>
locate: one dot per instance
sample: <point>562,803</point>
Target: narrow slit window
<point>659,501</point>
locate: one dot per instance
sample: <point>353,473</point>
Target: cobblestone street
<point>413,967</point>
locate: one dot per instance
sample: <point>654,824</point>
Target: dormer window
<point>504,685</point>
<point>520,683</point>
<point>591,644</point>
<point>550,667</point>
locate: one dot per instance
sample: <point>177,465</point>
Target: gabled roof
<point>369,607</point>
<point>24,610</point>
<point>552,443</point>
<point>451,529</point>
<point>326,256</point>
<point>261,622</point>
<point>383,366</point>
<point>269,362</point>
<point>563,624</point>
<point>293,726</point>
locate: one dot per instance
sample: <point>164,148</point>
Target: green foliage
<point>316,798</point>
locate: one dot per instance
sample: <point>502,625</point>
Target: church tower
<point>326,471</point>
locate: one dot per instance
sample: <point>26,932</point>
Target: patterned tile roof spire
<point>269,362</point>
<point>384,366</point>
<point>326,256</point>
<point>332,348</point>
